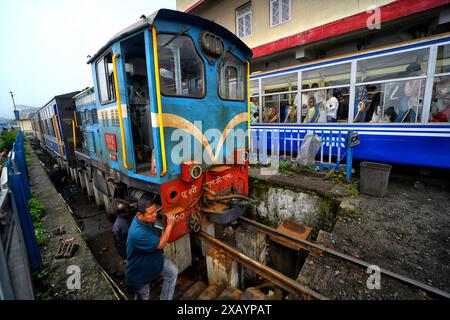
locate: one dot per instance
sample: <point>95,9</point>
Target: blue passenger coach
<point>397,98</point>
<point>53,126</point>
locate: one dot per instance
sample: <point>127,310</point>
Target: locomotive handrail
<point>58,135</point>
<point>75,118</point>
<point>158,100</point>
<point>74,136</point>
<point>74,125</point>
<point>248,103</point>
<point>119,108</point>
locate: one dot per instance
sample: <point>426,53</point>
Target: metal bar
<point>426,105</point>
<point>330,146</point>
<point>158,99</point>
<point>348,171</point>
<point>321,249</point>
<point>351,100</point>
<point>270,274</point>
<point>74,136</point>
<point>119,109</point>
<point>322,146</point>
<point>248,103</point>
<point>338,144</point>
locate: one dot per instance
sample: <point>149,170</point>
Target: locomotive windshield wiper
<point>183,32</point>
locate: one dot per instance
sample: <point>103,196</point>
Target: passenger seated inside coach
<point>389,115</point>
<point>444,114</point>
<point>291,115</point>
<point>361,114</point>
<point>313,111</point>
<point>373,112</point>
<point>270,114</point>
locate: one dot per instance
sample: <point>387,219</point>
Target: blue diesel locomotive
<point>167,119</point>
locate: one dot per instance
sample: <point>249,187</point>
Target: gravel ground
<point>407,232</point>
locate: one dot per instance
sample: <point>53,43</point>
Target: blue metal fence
<point>336,151</point>
<point>20,189</point>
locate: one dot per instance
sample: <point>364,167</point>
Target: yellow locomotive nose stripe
<point>175,121</point>
<point>242,117</point>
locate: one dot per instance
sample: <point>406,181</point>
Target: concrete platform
<point>307,183</point>
<point>93,285</point>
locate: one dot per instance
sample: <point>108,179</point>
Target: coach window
<point>440,102</point>
<point>271,109</point>
<point>181,69</point>
<point>325,94</point>
<point>280,91</point>
<point>94,116</point>
<point>105,79</point>
<point>254,101</point>
<point>390,89</point>
<point>232,76</point>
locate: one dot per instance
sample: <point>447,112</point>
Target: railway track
<point>289,284</point>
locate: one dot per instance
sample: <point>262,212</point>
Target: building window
<point>244,21</point>
<point>280,12</point>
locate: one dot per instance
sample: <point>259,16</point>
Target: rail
<point>321,249</point>
<point>264,271</point>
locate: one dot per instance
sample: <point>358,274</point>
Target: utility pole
<point>16,113</point>
<point>12,97</point>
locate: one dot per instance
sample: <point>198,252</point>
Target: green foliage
<point>37,209</point>
<point>293,168</point>
<point>7,139</point>
<point>42,274</point>
<point>351,189</point>
<point>354,214</point>
<point>46,295</point>
<point>37,212</point>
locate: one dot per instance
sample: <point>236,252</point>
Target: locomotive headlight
<point>195,172</point>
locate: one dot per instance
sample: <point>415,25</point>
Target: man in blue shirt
<point>120,234</point>
<point>145,258</point>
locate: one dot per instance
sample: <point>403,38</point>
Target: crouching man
<point>145,258</point>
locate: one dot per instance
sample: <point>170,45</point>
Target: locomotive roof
<point>176,16</point>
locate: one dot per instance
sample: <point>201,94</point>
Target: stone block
<point>179,252</point>
<point>222,270</point>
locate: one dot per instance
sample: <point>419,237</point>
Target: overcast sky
<point>44,44</point>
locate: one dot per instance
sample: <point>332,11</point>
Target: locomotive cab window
<point>231,78</point>
<point>105,79</point>
<point>181,68</point>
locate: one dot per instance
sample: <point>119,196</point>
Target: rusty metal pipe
<point>229,197</point>
<point>264,271</point>
<point>321,249</point>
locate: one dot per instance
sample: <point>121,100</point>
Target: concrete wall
<point>278,204</point>
<point>305,14</point>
